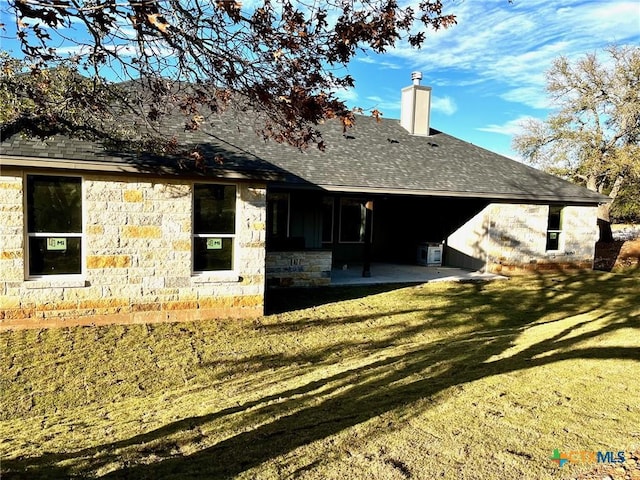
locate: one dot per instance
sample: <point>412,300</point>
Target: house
<point>94,234</point>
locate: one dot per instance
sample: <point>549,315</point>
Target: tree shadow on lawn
<point>322,408</point>
<point>280,300</point>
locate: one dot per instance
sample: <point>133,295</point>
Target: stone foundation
<point>112,311</point>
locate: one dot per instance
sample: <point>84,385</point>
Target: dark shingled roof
<point>374,156</point>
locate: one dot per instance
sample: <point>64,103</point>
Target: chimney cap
<point>416,77</point>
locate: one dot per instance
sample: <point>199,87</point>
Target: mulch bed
<point>616,255</point>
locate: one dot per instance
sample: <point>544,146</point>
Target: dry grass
<point>437,381</point>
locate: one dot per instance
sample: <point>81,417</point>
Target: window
<point>214,227</point>
<point>554,227</point>
<point>54,225</point>
<point>327,220</point>
<point>352,220</point>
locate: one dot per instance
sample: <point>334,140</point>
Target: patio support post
<point>366,266</point>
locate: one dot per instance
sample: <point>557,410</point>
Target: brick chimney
<point>415,108</point>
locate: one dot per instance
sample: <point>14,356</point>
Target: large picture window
<point>214,227</point>
<point>278,215</point>
<point>554,228</point>
<point>352,220</point>
<point>327,220</point>
<point>54,225</point>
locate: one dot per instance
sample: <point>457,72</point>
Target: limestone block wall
<point>137,258</point>
<point>11,235</point>
<point>512,237</point>
<point>311,268</point>
<point>580,233</point>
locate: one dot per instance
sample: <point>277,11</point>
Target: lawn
<point>444,380</point>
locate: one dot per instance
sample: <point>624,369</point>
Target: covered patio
<point>389,273</point>
<point>384,277</point>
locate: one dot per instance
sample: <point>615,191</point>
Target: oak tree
<point>593,136</point>
<point>283,59</point>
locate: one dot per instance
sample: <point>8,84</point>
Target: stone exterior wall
<point>512,237</point>
<point>11,234</point>
<point>136,258</point>
<point>311,268</point>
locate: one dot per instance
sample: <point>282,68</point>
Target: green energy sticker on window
<point>553,235</point>
<point>56,244</point>
<point>214,244</point>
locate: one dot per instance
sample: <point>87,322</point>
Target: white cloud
<point>73,51</point>
<point>348,95</point>
<point>444,105</point>
<point>616,19</point>
<point>533,96</point>
<point>510,46</point>
<point>509,128</point>
<point>383,64</point>
<point>385,106</point>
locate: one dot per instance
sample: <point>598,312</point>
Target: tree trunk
<point>604,220</point>
<point>606,235</point>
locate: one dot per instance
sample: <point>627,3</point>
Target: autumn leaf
<point>157,21</point>
<point>274,61</point>
<point>347,122</point>
<point>194,122</point>
<point>198,159</point>
<point>171,146</point>
<point>231,7</point>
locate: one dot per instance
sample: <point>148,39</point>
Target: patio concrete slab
<point>384,273</point>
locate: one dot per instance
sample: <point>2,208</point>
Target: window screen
<point>54,224</point>
<point>214,227</point>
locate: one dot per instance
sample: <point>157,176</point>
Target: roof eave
<point>105,166</point>
<point>594,200</point>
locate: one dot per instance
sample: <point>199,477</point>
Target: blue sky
<point>488,71</point>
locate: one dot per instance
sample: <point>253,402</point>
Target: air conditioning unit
<point>429,254</point>
<point>434,255</point>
